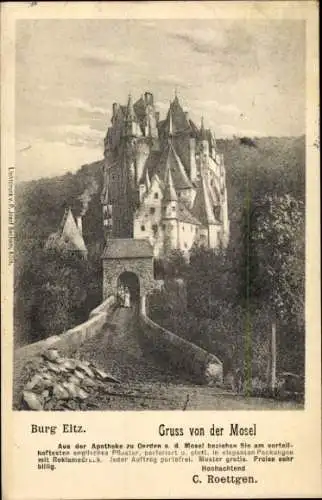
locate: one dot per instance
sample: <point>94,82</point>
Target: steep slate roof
<point>147,180</point>
<point>179,118</point>
<point>151,165</point>
<point>71,234</point>
<point>194,129</point>
<point>214,195</point>
<point>169,193</point>
<point>181,123</point>
<point>127,249</point>
<point>203,208</point>
<point>170,159</point>
<point>158,162</point>
<point>68,237</point>
<point>184,215</point>
<point>139,108</point>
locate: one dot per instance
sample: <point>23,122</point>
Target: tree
<point>280,244</point>
<point>280,247</point>
<point>175,264</point>
<point>210,280</point>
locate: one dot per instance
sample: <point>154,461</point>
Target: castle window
<point>173,208</point>
<point>142,228</point>
<point>182,227</point>
<point>156,195</point>
<point>155,229</point>
<point>152,210</point>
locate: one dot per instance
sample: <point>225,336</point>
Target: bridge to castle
<point>128,264</point>
<point>127,337</point>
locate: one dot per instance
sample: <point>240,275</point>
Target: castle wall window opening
<point>142,228</point>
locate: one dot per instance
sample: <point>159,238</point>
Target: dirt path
<point>117,349</point>
<point>145,386</point>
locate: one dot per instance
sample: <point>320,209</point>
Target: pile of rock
<point>60,383</point>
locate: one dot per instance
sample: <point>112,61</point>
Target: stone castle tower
<point>164,180</point>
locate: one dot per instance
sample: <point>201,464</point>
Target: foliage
<point>236,294</point>
<point>54,291</point>
<point>211,280</point>
<point>280,245</point>
<point>54,294</point>
<point>175,264</point>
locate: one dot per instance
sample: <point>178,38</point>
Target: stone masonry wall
<point>112,268</point>
<point>67,341</point>
<point>181,354</point>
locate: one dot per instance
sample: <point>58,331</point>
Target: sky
<point>243,77</point>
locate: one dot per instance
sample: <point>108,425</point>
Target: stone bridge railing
<point>179,353</point>
<point>72,338</point>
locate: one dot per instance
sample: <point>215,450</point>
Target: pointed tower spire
<point>176,99</point>
<point>170,133</point>
<point>130,119</point>
<point>147,180</point>
<point>169,191</point>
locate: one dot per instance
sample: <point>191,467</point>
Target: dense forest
<point>234,296</point>
<point>54,291</point>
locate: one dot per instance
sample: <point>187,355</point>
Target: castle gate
<point>128,263</point>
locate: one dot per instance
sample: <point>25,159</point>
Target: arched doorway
<point>128,289</point>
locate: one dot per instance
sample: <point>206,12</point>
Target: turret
<point>170,213</point>
<point>212,144</point>
<point>147,181</point>
<point>170,194</point>
<point>170,125</point>
<point>130,119</point>
<point>204,144</point>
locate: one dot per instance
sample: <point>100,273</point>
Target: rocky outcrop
<point>67,342</point>
<point>60,383</point>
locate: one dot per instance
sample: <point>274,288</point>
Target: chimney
<point>79,224</point>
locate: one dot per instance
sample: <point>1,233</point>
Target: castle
<point>164,180</point>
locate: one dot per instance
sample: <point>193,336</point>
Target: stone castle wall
<point>113,268</point>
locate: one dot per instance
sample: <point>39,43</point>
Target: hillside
<point>260,166</point>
